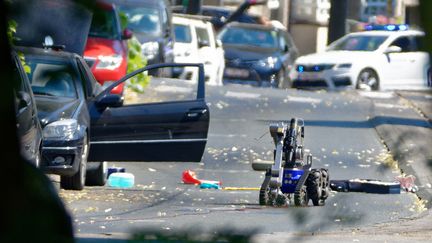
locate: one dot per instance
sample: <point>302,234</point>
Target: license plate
<point>236,72</point>
<point>308,76</point>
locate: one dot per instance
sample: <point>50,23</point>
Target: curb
<point>394,143</point>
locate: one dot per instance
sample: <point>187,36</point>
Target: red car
<point>106,50</point>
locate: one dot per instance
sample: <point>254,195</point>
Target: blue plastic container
<point>123,180</point>
<point>290,180</point>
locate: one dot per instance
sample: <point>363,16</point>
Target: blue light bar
<point>388,27</point>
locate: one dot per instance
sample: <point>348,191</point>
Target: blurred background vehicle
<point>106,51</point>
<point>150,21</point>
<point>196,43</point>
<point>29,130</point>
<point>185,46</point>
<point>257,54</point>
<point>386,57</point>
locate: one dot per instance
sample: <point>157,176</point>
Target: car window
<point>404,43</point>
<point>418,43</point>
<point>182,33</point>
<point>282,42</point>
<point>202,35</point>
<point>358,43</point>
<point>104,25</point>
<point>52,78</point>
<point>143,20</point>
<point>92,87</point>
<point>252,37</point>
<point>158,88</point>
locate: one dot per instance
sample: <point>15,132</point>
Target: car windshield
<point>182,33</point>
<point>104,25</point>
<point>143,20</point>
<point>51,78</point>
<point>248,36</point>
<point>358,43</point>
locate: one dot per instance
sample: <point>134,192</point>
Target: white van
<point>195,42</point>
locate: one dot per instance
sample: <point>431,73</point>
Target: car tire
<point>38,158</point>
<point>301,198</point>
<point>429,77</point>
<point>96,173</point>
<point>77,181</point>
<point>368,79</point>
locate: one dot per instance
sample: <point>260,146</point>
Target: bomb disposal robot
<point>290,178</point>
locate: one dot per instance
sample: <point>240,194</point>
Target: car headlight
<point>150,49</point>
<point>269,62</point>
<point>109,62</point>
<point>62,129</point>
<point>344,65</point>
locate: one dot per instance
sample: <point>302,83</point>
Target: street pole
<point>193,6</point>
<point>338,15</point>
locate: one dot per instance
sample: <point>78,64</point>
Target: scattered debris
<point>365,185</point>
<point>189,177</point>
<point>407,183</point>
<point>206,185</point>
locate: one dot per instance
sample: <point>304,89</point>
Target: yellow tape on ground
<point>241,188</point>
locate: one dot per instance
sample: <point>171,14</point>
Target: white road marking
<point>390,106</point>
<point>377,95</point>
<point>242,95</point>
<point>308,100</point>
<point>173,89</point>
<point>227,135</point>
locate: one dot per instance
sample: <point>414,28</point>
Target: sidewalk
<point>406,131</point>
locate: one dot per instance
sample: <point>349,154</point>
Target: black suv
<point>83,123</point>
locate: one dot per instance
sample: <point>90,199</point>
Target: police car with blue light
<point>385,57</point>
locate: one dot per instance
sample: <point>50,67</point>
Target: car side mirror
<point>203,43</point>
<point>393,49</point>
<point>218,43</point>
<point>285,48</point>
<point>110,100</point>
<point>127,34</point>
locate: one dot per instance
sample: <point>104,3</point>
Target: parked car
<point>372,60</point>
<point>106,51</point>
<point>83,123</point>
<point>196,43</point>
<point>257,54</point>
<point>28,125</point>
<point>150,21</point>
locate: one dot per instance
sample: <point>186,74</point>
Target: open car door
<point>168,121</point>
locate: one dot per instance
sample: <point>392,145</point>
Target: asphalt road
<point>340,133</point>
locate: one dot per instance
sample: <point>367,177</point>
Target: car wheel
<point>37,159</point>
<point>429,77</point>
<point>96,173</point>
<point>77,181</point>
<point>368,80</point>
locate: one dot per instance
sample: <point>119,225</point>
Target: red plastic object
<point>189,177</point>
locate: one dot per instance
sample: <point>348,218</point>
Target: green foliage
<point>12,25</point>
<point>11,31</point>
<point>136,61</point>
